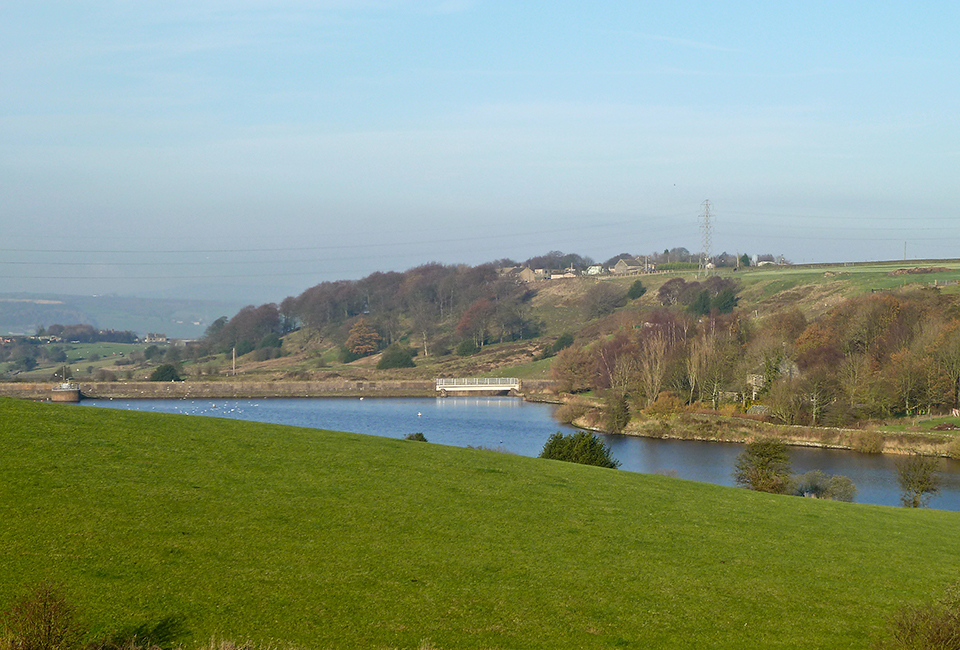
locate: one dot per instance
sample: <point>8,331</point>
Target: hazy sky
<point>194,147</point>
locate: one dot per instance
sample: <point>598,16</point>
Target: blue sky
<point>258,148</point>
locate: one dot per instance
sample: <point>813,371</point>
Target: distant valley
<point>22,313</point>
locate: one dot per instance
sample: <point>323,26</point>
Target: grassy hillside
<point>558,307</point>
<point>323,540</point>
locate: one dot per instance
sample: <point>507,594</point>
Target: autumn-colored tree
<point>363,340</point>
<point>575,369</point>
<point>475,321</point>
<point>948,357</point>
<point>614,359</point>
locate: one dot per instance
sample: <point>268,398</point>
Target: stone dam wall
<point>240,389</point>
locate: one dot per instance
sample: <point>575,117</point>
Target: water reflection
<point>523,427</point>
<point>712,462</point>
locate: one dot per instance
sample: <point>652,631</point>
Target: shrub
<point>345,355</point>
<point>580,447</point>
<point>570,411</point>
<point>700,306</point>
<point>466,348</point>
<point>728,410</point>
<point>616,412</point>
<point>724,301</point>
<point>267,353</point>
<point>165,372</point>
<point>764,466</point>
<point>500,449</point>
<point>396,356</point>
<point>823,486</point>
<point>666,404</point>
<point>565,340</point>
<point>42,620</point>
<point>953,449</point>
<point>636,290</point>
<point>867,442</point>
<point>104,375</point>
<point>419,437</point>
<point>270,341</point>
<point>930,625</point>
<point>918,478</point>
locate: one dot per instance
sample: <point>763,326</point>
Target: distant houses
<point>519,273</point>
<point>624,266</point>
<point>522,274</point>
<point>631,266</point>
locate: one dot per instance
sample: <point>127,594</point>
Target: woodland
<point>874,355</point>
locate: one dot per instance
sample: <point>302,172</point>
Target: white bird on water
<point>419,414</point>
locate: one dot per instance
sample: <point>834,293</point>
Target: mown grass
<point>317,539</point>
<point>925,423</point>
<point>861,277</point>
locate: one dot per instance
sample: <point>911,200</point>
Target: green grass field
<point>318,539</point>
<point>805,285</point>
<point>78,359</point>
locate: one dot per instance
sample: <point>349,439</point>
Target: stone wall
<point>228,389</point>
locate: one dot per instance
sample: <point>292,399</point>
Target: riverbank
<point>710,427</point>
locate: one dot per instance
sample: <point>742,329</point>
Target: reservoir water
<point>522,428</point>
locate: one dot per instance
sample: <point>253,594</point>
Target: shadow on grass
<point>164,633</point>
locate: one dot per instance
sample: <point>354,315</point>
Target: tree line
<point>433,307</point>
<point>873,356</point>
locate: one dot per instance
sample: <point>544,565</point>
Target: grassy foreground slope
<point>323,540</point>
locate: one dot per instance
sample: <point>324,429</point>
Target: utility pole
<point>705,231</point>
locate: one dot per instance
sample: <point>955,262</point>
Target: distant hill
<point>21,313</point>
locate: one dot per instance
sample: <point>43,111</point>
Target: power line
<point>507,235</point>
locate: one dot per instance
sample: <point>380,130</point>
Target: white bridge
<point>474,384</point>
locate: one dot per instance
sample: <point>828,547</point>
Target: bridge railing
<point>477,383</point>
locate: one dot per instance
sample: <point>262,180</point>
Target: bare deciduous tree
<point>652,366</point>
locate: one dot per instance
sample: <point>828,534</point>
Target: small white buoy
<point>361,399</point>
<point>419,414</point>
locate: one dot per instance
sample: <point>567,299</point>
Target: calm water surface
<point>522,428</point>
